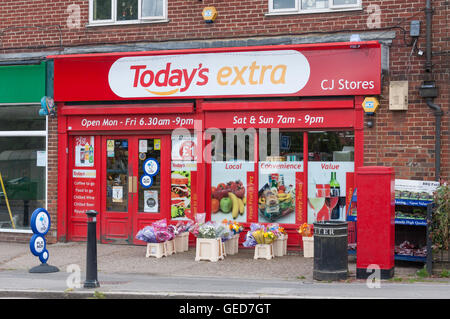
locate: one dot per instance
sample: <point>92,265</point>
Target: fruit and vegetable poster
<point>327,189</point>
<point>229,190</point>
<point>183,199</point>
<point>279,192</point>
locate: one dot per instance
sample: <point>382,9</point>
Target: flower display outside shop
<point>212,230</point>
<point>306,230</point>
<point>233,226</point>
<point>259,235</point>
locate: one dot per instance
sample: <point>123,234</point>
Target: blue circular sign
<point>146,181</point>
<point>43,257</point>
<point>151,166</point>
<point>40,221</point>
<point>38,245</point>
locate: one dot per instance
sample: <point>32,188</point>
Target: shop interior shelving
<point>411,223</point>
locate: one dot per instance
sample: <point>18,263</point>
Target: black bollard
<point>91,257</point>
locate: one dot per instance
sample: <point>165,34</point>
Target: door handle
<point>135,184</point>
<point>130,184</point>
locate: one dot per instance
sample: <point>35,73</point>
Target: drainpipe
<point>429,91</point>
<point>428,15</point>
<point>438,115</point>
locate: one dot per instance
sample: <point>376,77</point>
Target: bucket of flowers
<point>159,238</point>
<point>262,239</point>
<point>280,242</point>
<point>232,243</point>
<point>307,233</point>
<point>209,242</point>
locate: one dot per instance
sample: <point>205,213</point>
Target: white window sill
<point>17,231</point>
<point>327,10</point>
<point>132,22</point>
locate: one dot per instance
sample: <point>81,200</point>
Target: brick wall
<point>402,139</point>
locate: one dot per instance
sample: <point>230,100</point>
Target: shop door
<point>134,196</point>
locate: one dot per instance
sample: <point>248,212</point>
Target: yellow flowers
<point>263,237</point>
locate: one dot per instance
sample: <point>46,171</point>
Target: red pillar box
<point>376,222</point>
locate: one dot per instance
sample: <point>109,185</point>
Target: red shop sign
<point>294,70</point>
<point>281,119</point>
<point>130,122</point>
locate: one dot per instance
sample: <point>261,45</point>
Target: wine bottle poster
<point>327,190</point>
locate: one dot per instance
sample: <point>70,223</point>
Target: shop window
<point>117,175</point>
<point>330,174</point>
<point>23,161</point>
<point>312,6</point>
<point>280,176</point>
<point>21,118</point>
<point>126,11</point>
<point>149,149</point>
<point>232,174</point>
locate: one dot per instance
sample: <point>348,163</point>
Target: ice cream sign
<point>210,74</point>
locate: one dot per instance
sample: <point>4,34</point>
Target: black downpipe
<point>436,108</point>
<point>438,115</point>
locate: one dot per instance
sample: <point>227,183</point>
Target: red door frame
<point>134,219</point>
<point>120,220</point>
<point>141,219</point>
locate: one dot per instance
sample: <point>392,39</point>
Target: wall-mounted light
<point>209,14</point>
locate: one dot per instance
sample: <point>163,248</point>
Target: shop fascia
<point>298,70</point>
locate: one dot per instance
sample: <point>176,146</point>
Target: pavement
<point>124,272</point>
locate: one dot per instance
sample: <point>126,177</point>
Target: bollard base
<point>91,284</point>
<point>43,269</point>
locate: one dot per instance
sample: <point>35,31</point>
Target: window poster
<point>117,194</point>
<point>84,151</point>
<point>84,190</point>
<point>183,199</point>
<point>327,190</point>
<point>232,186</point>
<point>184,147</point>
<point>150,201</point>
<point>280,192</point>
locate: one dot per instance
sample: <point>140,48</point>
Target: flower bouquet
<point>259,235</point>
<point>212,230</point>
<point>306,230</point>
<point>157,232</point>
<point>157,236</point>
<point>233,226</point>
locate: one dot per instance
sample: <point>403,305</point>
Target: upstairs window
<point>126,11</point>
<point>312,6</point>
